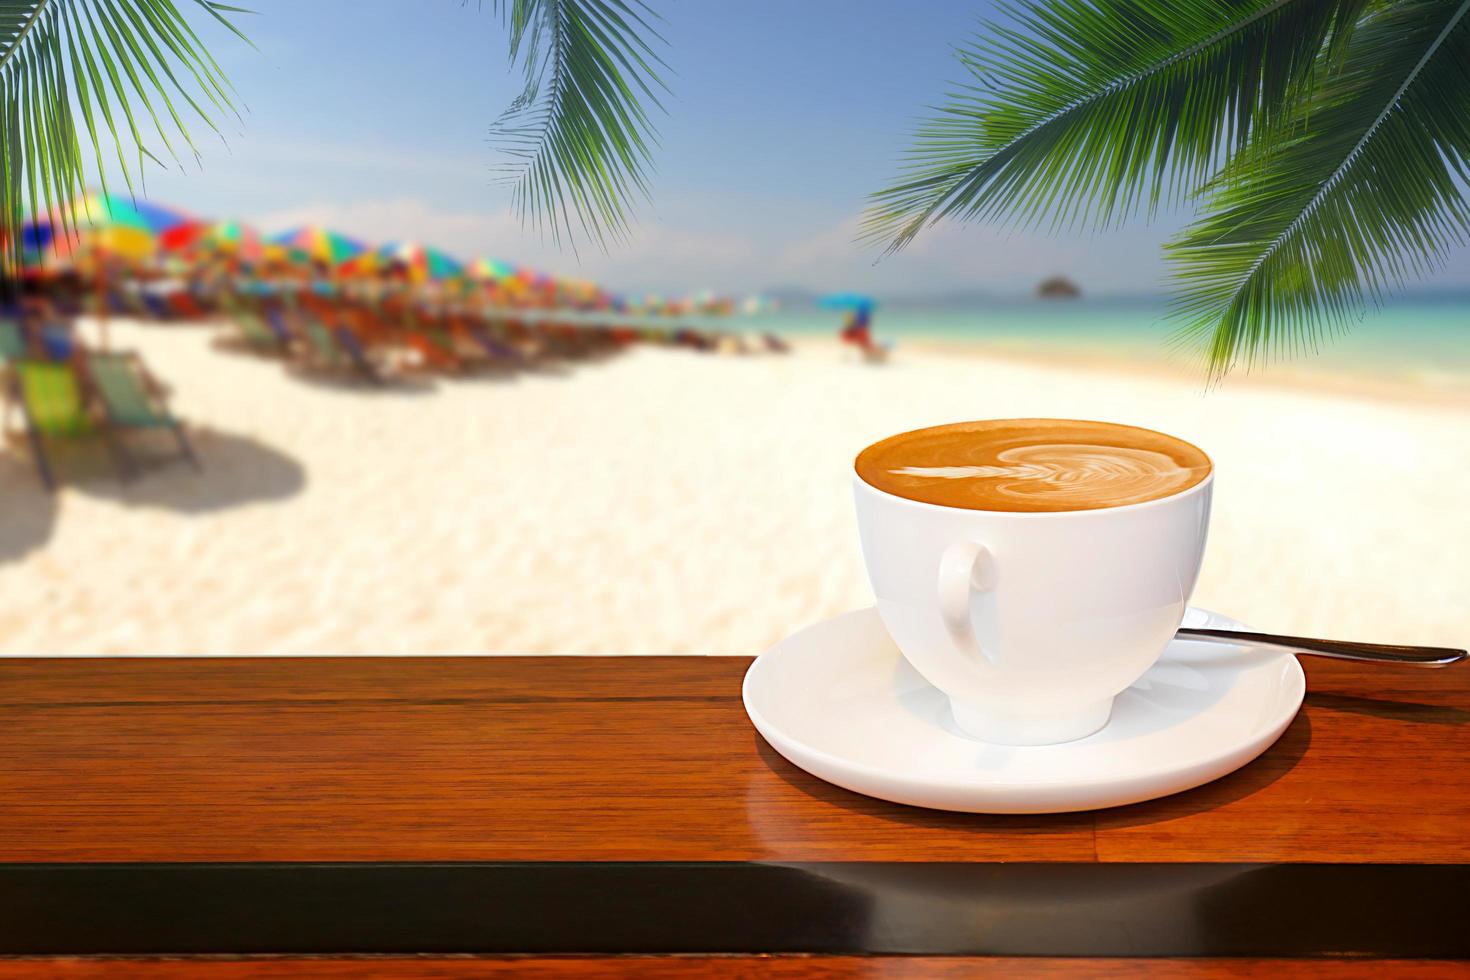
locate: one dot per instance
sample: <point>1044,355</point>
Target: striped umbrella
<point>580,293</point>
<point>533,278</point>
<point>311,243</point>
<point>185,237</point>
<point>235,238</point>
<point>422,261</point>
<point>488,270</point>
<point>847,301</point>
<point>225,237</point>
<point>118,225</point>
<point>106,224</point>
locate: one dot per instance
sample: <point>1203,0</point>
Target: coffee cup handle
<point>965,567</point>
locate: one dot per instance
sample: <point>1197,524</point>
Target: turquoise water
<point>1413,338</point>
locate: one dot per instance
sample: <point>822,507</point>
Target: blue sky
<point>372,116</point>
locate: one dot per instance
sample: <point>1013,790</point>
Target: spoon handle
<point>1381,653</point>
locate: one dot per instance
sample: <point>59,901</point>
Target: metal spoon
<point>1378,653</point>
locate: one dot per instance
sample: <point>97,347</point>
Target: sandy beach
<point>666,502</point>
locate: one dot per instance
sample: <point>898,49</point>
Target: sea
<point>1421,340</point>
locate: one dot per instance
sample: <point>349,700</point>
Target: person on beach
<point>48,331</point>
<point>859,332</point>
<point>859,327</point>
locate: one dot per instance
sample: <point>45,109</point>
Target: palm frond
<point>1083,110</point>
<point>580,132</point>
<point>117,61</point>
<point>1367,190</point>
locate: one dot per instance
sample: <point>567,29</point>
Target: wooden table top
<point>587,759</point>
<point>722,967</point>
<point>629,759</point>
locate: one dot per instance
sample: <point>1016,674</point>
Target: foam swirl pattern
<point>1033,465</point>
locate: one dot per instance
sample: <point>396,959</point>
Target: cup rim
<point>1032,514</point>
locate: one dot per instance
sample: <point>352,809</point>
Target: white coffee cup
<point>1032,623</point>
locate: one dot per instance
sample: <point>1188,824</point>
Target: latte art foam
<point>1033,465</point>
<point>1072,472</point>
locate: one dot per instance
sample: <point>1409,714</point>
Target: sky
<point>372,117</point>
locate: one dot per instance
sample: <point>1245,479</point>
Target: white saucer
<point>840,701</point>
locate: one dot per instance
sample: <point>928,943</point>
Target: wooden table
<point>443,815</point>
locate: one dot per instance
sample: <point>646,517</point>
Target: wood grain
<point>791,967</point>
<point>396,759</point>
<point>1374,769</point>
<point>436,759</point>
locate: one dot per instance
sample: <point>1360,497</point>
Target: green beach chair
<point>254,329</point>
<point>252,326</point>
<point>51,400</point>
<point>12,340</point>
<point>322,347</point>
<point>337,350</point>
<point>357,355</point>
<point>131,399</point>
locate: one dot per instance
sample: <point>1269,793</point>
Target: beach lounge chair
<point>185,306</point>
<point>58,340</point>
<point>357,354</point>
<point>436,348</point>
<point>496,349</point>
<point>336,349</point>
<point>131,399</point>
<point>127,302</point>
<point>254,329</point>
<point>275,321</point>
<point>50,397</point>
<point>320,346</point>
<point>13,344</point>
<point>156,305</point>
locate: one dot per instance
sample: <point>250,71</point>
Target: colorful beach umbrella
<point>579,291</point>
<point>488,270</point>
<point>185,237</point>
<point>847,301</point>
<point>366,263</point>
<point>225,237</point>
<point>422,261</point>
<point>119,225</point>
<point>533,278</point>
<point>311,243</point>
<point>235,238</point>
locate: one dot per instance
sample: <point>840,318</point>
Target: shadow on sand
<point>352,384</point>
<point>27,511</point>
<point>237,470</point>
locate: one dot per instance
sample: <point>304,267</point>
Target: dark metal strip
<point>1408,911</point>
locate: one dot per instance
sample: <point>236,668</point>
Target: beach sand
<point>666,502</point>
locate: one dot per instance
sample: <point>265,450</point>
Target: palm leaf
<point>1365,191</point>
<point>580,131</point>
<point>1086,109</point>
<point>118,61</point>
